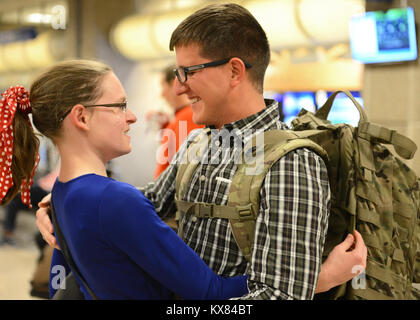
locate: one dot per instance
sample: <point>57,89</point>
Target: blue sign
<point>17,35</point>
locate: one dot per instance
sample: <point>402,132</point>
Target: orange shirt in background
<point>170,141</point>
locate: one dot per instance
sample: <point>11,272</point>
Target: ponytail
<point>18,146</point>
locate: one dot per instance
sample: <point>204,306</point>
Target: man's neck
<point>244,106</point>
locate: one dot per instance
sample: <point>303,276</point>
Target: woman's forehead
<point>112,88</point>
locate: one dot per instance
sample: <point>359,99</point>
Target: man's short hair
<point>226,31</point>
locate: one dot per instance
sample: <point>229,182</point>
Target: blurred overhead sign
<point>52,15</point>
<point>17,35</point>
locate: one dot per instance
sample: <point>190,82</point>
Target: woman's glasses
<point>121,105</point>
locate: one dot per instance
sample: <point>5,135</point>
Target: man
<point>222,54</point>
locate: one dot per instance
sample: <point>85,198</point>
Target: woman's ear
<point>79,116</point>
<point>238,71</point>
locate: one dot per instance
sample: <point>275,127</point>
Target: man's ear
<point>238,71</point>
<point>79,116</point>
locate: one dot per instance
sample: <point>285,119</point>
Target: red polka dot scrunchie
<point>14,98</point>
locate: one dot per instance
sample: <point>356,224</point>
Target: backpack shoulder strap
<point>66,252</point>
<point>189,162</point>
<point>186,169</point>
<point>243,201</point>
<point>248,180</point>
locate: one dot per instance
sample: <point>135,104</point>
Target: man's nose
<point>180,88</point>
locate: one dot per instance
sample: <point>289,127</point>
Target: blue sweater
<point>124,250</point>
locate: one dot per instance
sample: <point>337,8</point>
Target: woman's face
<point>109,126</point>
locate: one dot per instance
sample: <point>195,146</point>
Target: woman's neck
<point>69,173</point>
<point>75,164</point>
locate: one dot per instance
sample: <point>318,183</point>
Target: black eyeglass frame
<point>121,105</point>
<point>202,66</point>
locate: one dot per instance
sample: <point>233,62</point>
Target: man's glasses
<point>182,72</point>
<point>121,105</point>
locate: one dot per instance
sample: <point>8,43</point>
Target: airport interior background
<point>318,47</point>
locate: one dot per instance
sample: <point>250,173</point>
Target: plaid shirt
<point>291,225</point>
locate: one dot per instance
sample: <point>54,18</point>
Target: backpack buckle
<point>245,212</point>
<point>206,210</point>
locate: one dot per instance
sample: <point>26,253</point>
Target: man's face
<point>208,89</point>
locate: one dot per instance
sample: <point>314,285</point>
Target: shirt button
<point>194,219</point>
<point>203,178</point>
<point>217,143</point>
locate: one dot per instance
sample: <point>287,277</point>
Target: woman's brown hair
<point>52,94</point>
<point>61,87</point>
<point>25,150</point>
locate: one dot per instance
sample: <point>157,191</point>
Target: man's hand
<point>43,221</point>
<point>341,262</point>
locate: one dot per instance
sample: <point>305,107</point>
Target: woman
<point>119,244</point>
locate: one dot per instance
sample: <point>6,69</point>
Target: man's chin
<point>197,119</point>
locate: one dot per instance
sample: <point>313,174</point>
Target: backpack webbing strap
<point>66,252</point>
<point>403,145</point>
<point>248,180</point>
<point>206,210</point>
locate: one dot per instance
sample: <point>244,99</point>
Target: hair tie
<point>14,98</point>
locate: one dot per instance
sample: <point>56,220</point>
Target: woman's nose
<point>130,116</point>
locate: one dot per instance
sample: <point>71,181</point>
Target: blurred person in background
<point>173,131</point>
<point>11,212</point>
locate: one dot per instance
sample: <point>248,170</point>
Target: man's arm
<point>161,192</point>
<point>290,229</point>
<point>44,223</point>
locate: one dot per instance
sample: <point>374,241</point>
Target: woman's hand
<point>341,262</point>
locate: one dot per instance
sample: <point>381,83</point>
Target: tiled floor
<point>18,263</point>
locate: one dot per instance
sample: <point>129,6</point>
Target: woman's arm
<point>129,222</point>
